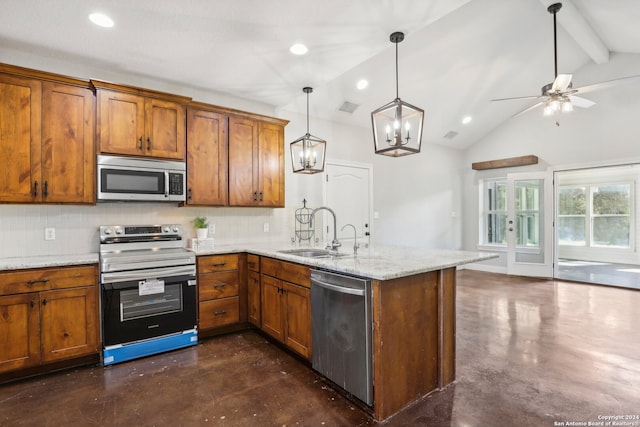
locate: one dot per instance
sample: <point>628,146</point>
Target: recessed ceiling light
<point>101,20</point>
<point>466,120</point>
<point>298,49</point>
<point>362,84</point>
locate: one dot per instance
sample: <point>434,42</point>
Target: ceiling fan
<point>560,96</point>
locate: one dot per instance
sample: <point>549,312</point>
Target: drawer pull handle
<point>220,264</point>
<point>219,285</point>
<point>33,282</point>
<point>35,189</point>
<point>252,264</point>
<point>220,313</point>
<point>140,146</point>
<point>148,143</point>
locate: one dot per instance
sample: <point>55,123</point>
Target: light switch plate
<point>49,233</point>
<point>212,229</point>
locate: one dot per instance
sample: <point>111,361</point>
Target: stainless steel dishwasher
<point>341,331</point>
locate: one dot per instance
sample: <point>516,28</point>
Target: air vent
<point>451,134</point>
<point>348,107</point>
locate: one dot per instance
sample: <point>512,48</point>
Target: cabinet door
<point>19,329</point>
<point>69,325</point>
<point>20,100</point>
<point>272,307</point>
<point>68,156</point>
<point>253,296</point>
<point>297,316</point>
<point>120,125</point>
<point>207,160</point>
<point>271,165</point>
<point>165,129</point>
<point>243,163</point>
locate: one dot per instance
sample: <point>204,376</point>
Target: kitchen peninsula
<point>413,312</point>
<point>413,306</point>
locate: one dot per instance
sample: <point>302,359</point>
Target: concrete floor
<point>530,353</point>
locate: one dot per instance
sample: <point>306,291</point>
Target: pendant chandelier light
<point>307,152</point>
<point>397,126</point>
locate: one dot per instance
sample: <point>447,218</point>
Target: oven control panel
<point>141,233</point>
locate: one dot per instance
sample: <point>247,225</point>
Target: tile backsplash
<point>22,227</point>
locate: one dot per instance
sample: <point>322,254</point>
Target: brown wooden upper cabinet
<point>207,156</point>
<point>46,138</point>
<point>256,162</point>
<point>139,122</point>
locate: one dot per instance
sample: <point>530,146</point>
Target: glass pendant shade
<point>397,126</point>
<point>307,152</point>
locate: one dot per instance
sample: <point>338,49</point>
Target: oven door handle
<point>127,276</point>
<point>166,184</point>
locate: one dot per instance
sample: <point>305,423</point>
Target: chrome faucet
<point>355,237</point>
<point>335,244</point>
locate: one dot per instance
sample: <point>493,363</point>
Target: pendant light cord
<point>397,91</point>
<point>307,113</point>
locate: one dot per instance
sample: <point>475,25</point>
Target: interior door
<point>529,224</point>
<point>348,191</point>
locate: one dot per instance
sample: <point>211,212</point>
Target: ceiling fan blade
<point>536,105</point>
<point>581,102</point>
<point>561,83</point>
<point>516,97</point>
<point>608,84</point>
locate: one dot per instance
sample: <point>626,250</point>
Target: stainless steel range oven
<point>148,291</point>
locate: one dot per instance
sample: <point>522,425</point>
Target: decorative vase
<point>201,233</point>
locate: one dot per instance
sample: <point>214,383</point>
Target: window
<point>611,207</point>
<point>527,212</point>
<point>596,215</point>
<point>572,214</point>
<point>495,212</point>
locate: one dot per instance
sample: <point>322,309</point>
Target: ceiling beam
<point>574,23</point>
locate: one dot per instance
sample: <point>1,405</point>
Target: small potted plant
<point>201,225</point>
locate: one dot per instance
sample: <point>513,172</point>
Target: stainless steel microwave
<point>140,180</point>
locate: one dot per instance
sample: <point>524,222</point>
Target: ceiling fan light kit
<point>397,126</point>
<point>308,151</point>
<point>560,95</point>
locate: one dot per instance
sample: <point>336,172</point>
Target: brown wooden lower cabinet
<point>285,307</point>
<point>219,291</point>
<point>253,298</point>
<point>48,315</point>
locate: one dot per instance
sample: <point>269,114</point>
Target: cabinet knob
<point>44,301</point>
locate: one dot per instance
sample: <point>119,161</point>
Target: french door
<point>530,224</point>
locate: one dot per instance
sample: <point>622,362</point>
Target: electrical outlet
<point>212,229</point>
<point>266,227</point>
<point>49,233</point>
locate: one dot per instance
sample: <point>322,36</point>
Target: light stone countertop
<point>47,261</point>
<point>379,262</point>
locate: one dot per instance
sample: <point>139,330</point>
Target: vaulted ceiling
<point>457,54</point>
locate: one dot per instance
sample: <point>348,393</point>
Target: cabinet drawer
<point>253,262</point>
<point>213,263</point>
<point>42,279</point>
<point>219,312</point>
<point>294,273</point>
<point>218,285</point>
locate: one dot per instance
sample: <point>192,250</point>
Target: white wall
<point>605,133</point>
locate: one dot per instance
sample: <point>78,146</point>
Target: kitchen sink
<point>313,253</point>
